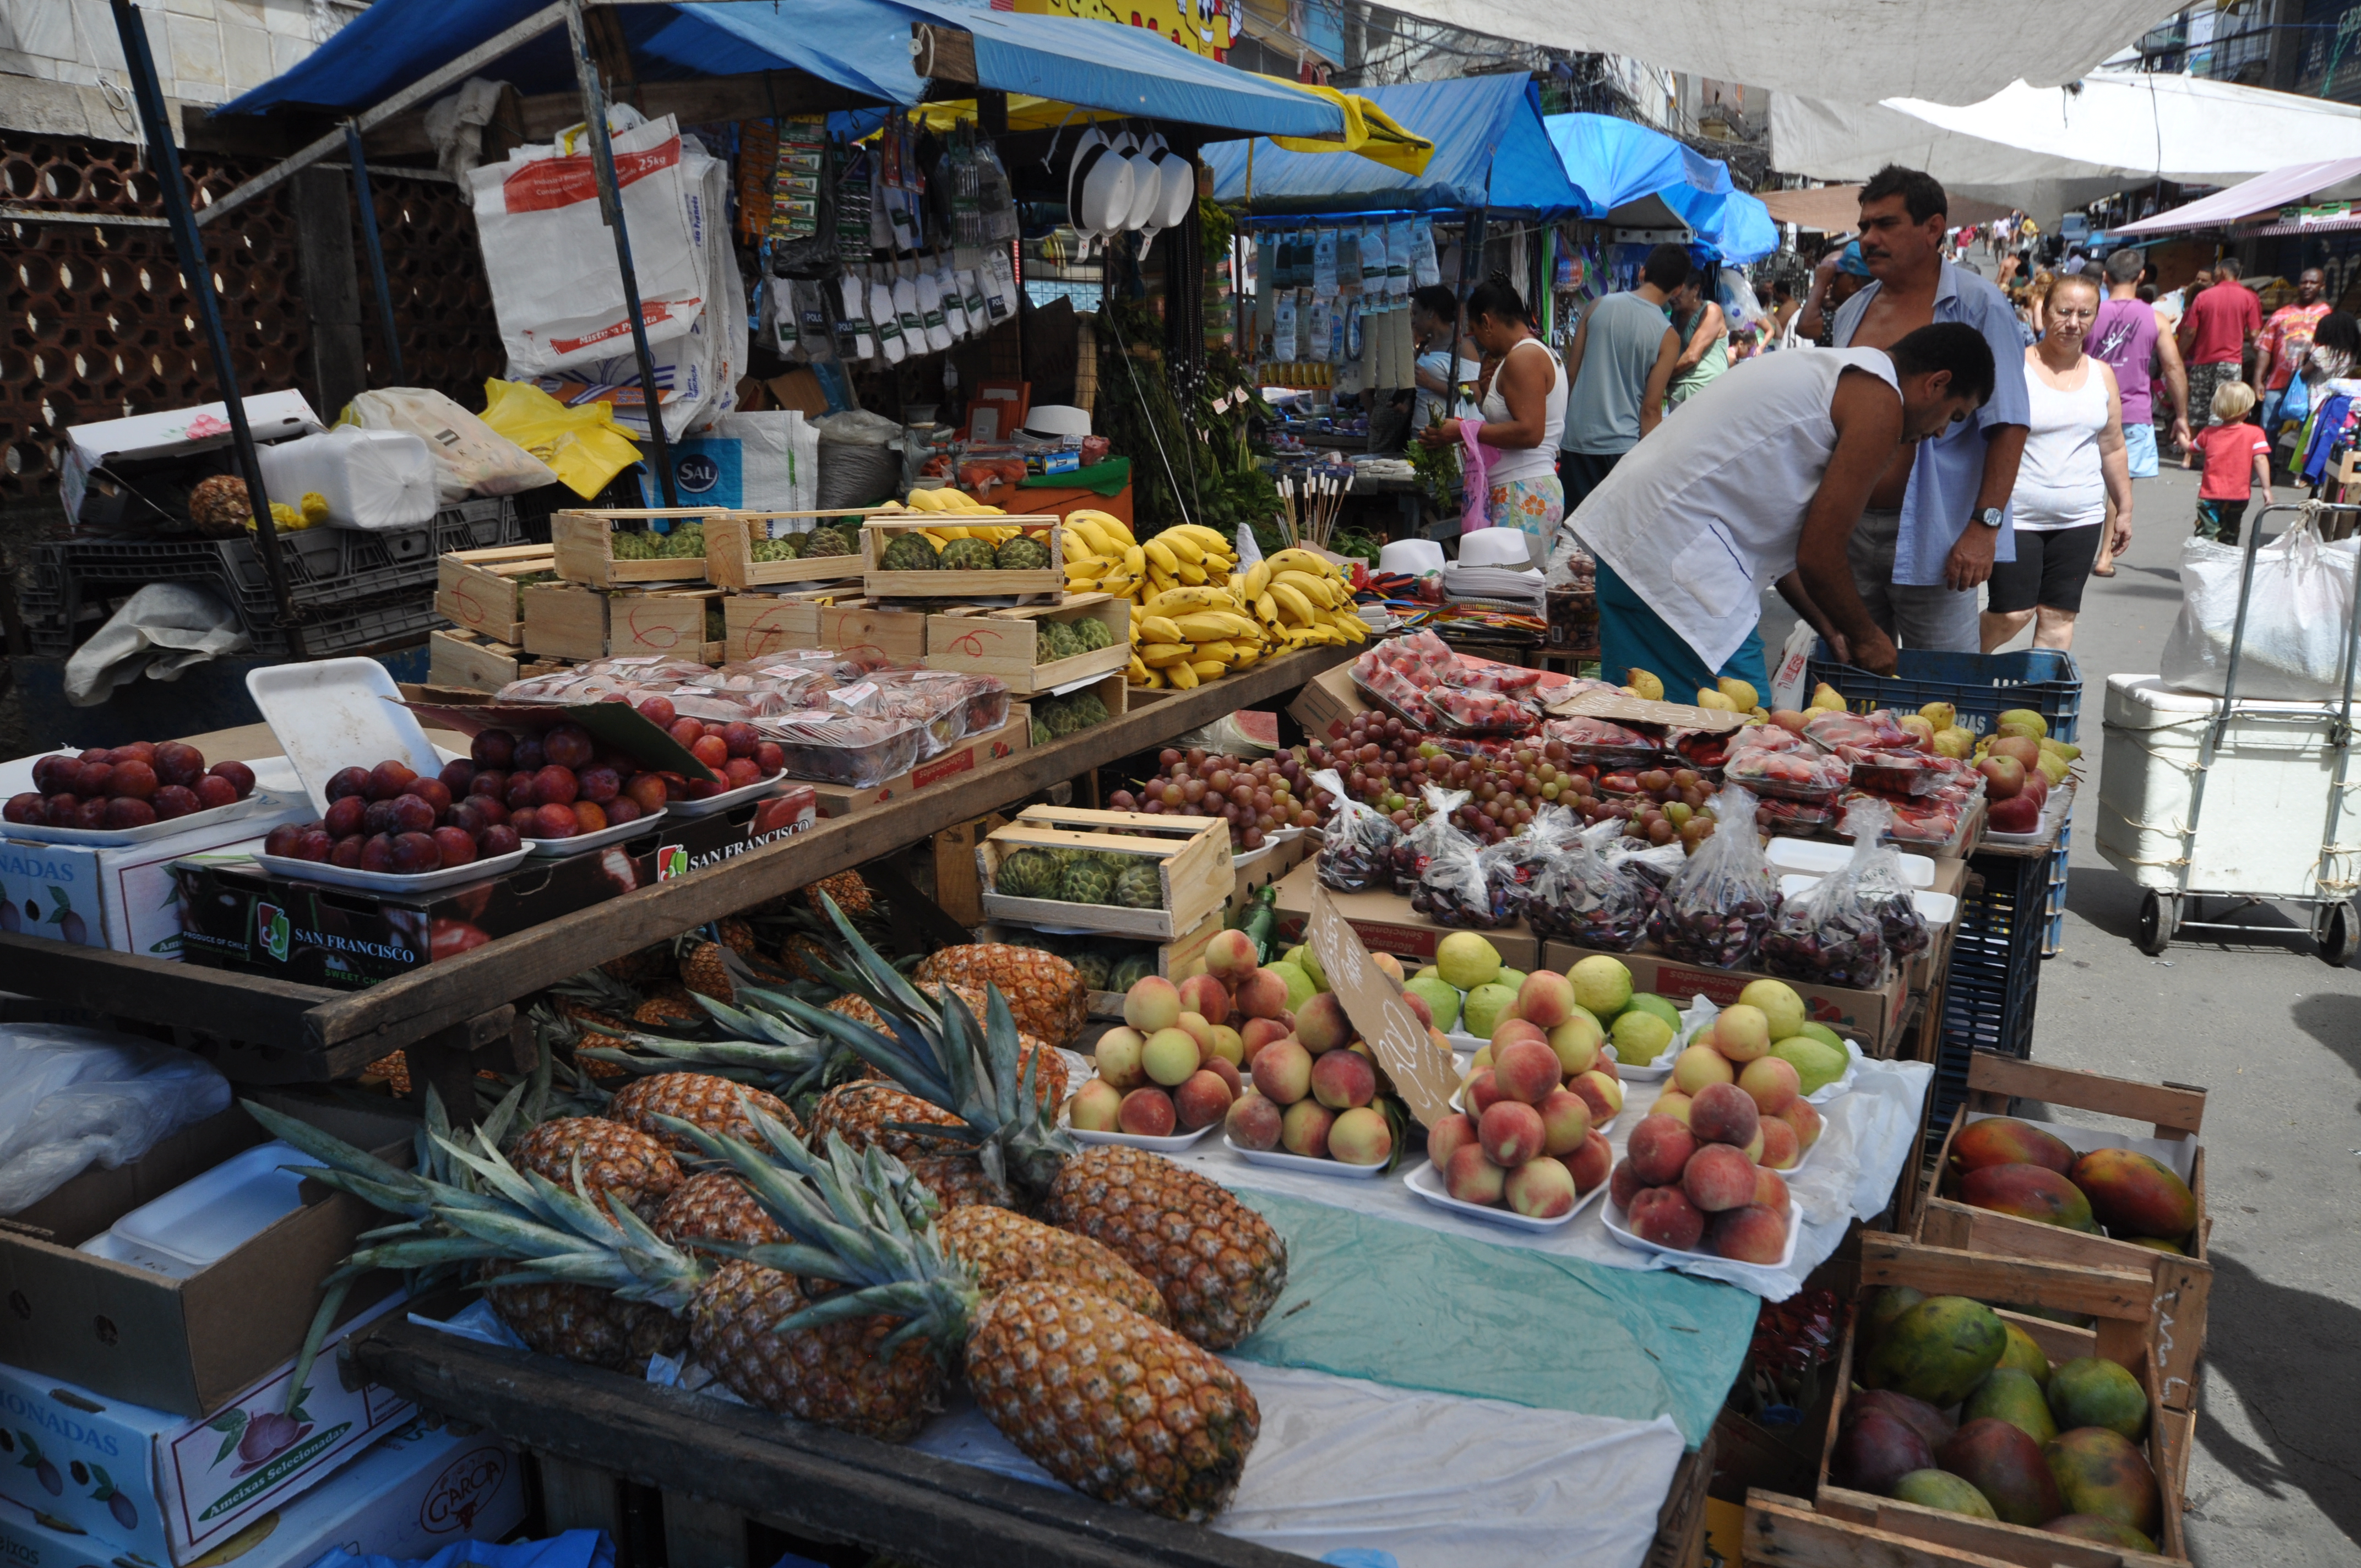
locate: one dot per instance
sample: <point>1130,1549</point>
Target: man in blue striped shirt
<point>1939,518</point>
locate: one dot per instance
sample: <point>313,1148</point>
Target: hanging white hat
<point>1180,188</point>
<point>1098,188</point>
<point>1147,181</point>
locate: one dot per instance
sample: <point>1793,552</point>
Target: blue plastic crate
<point>2055,938</point>
<point>1981,686</point>
<point>1995,974</point>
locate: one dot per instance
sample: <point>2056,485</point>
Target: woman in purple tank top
<point>2147,361</point>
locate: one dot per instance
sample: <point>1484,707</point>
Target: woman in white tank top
<point>2074,466</point>
<point>1524,415</point>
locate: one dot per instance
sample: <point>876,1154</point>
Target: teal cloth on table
<point>1399,1304</point>
<point>1106,478</point>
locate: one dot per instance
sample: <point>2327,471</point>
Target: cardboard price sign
<point>1421,1071</point>
<point>1594,704</point>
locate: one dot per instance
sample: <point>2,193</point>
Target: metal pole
<point>2220,724</point>
<point>611,208</point>
<point>200,276</point>
<point>375,254</point>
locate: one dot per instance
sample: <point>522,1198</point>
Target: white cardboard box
<point>272,416</point>
<point>170,1487</point>
<point>416,1490</point>
<point>126,899</point>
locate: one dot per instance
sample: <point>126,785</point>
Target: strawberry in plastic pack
<point>1897,772</point>
<point>1796,817</point>
<point>1723,899</point>
<point>1875,730</point>
<point>1609,746</point>
<point>1791,770</point>
<point>1464,710</point>
<point>1509,680</point>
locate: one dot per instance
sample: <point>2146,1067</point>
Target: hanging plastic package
<point>954,307</point>
<point>550,259</point>
<point>906,307</point>
<point>371,478</point>
<point>1316,333</point>
<point>1423,270</point>
<point>1282,341</point>
<point>775,320</point>
<point>1353,331</point>
<point>1348,259</point>
<point>1323,263</point>
<point>755,462</point>
<point>583,447</point>
<point>1003,283</point>
<point>855,340</point>
<point>802,226</point>
<point>471,458</point>
<point>1373,262</point>
<point>930,310</point>
<point>1398,243</point>
<point>886,320</point>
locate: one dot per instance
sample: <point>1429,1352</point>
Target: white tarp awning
<point>2268,193</point>
<point>1831,49</point>
<point>2047,148</point>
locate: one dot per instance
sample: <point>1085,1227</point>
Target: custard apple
<point>1022,553</point>
<point>685,540</point>
<point>911,552</point>
<point>634,544</point>
<point>1087,709</point>
<point>965,556</point>
<point>1055,641</point>
<point>1087,882</point>
<point>827,541</point>
<point>1092,634</point>
<point>787,547</point>
<point>1129,971</point>
<point>1095,969</point>
<point>1141,886</point>
<point>1040,733</point>
<point>1027,874</point>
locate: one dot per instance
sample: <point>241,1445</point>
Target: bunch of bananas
<point>950,500</point>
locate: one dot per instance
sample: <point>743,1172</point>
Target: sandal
<point>2102,571</point>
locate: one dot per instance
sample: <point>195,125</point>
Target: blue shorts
<point>1630,633</point>
<point>2139,445</point>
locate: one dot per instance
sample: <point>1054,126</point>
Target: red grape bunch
<point>1257,798</point>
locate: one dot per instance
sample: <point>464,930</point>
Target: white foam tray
<point>1427,1184</point>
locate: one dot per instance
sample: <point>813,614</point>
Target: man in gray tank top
<point>1616,371</point>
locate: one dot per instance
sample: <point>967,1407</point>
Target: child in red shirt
<point>2238,456</point>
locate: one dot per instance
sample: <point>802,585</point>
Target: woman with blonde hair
<point>2034,310</point>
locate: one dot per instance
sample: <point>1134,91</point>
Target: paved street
<point>2276,1037</point>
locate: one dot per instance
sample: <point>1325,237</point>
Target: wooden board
<point>730,550</point>
<point>1639,710</point>
<point>584,542</point>
<point>477,590</point>
<point>472,660</point>
<point>571,620</point>
<point>2181,1287</point>
<point>1047,585</point>
<point>876,629</point>
<point>1004,644</point>
<point>564,621</point>
<point>758,624</point>
<point>1789,1532</point>
<point>1192,856</point>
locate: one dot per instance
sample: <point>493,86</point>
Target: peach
<point>1445,1138</point>
<point>1607,1067</point>
<point>1480,1093</point>
<point>1604,1094</point>
<point>1546,999</point>
<point>1508,1031</point>
<point>1230,957</point>
<point>1227,1045</point>
<point>1198,1027</point>
<point>1119,1058</point>
<point>1207,997</point>
<point>1094,1106</point>
<point>1438,1040</point>
<point>1511,1134</point>
<point>1525,1070</point>
<point>1472,1179</point>
<point>1780,1148</point>
<point>1771,1192</point>
<point>1742,1033</point>
<point>1483,1057</point>
<point>1420,1008</point>
<point>1752,1148</point>
<point>1577,1043</point>
<point>1253,1122</point>
<point>1721,1113</point>
<point>1256,1032</point>
<point>1662,1215</point>
<point>1342,1080</point>
<point>1698,1066</point>
<point>1153,1003</point>
<point>1749,1234</point>
<point>1805,1117</point>
<point>1389,966</point>
<point>1201,1101</point>
<point>1673,1103</point>
<point>1321,1022</point>
<point>1361,1136</point>
<point>1304,1130</point>
<point>1719,1177</point>
<point>1147,1113</point>
<point>1226,1070</point>
<point>1169,1056</point>
<point>1262,995</point>
<point>1566,1122</point>
<point>1659,1149</point>
<point>1771,1083</point>
<point>1624,1186</point>
<point>1540,1188</point>
<point>1591,1162</point>
<point>1282,1071</point>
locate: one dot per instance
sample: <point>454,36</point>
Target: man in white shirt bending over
<point>1766,487</point>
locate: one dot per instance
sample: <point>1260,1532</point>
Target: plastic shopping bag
<point>471,458</point>
<point>584,446</point>
<point>1788,683</point>
<point>2297,617</point>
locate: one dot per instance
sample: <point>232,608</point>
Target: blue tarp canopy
<point>860,45</point>
<point>1617,166</point>
<point>1489,151</point>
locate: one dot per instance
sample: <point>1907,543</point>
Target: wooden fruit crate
<point>1046,586</point>
<point>873,629</point>
<point>1193,854</point>
<point>1002,643</point>
<point>568,620</point>
<point>2183,1286</point>
<point>730,548</point>
<point>478,588</point>
<point>474,662</point>
<point>584,546</point>
<point>763,623</point>
<point>1841,1525</point>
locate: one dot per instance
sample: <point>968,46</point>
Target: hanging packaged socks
<point>1001,285</point>
<point>1324,264</point>
<point>807,304</point>
<point>906,307</point>
<point>979,313</point>
<point>855,340</point>
<point>955,308</point>
<point>1423,269</point>
<point>887,321</point>
<point>930,308</point>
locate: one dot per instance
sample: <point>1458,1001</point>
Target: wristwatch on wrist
<point>1989,517</point>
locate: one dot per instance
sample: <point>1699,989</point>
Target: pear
<point>2035,725</point>
<point>1941,715</point>
<point>1826,699</point>
<point>1955,744</point>
<point>1707,698</point>
<point>1643,684</point>
<point>2054,765</point>
<point>1741,694</point>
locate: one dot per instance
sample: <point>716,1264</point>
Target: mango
<point>1941,1489</point>
<point>1883,1308</point>
<point>1817,1065</point>
<point>2004,1140</point>
<point>2025,1356</point>
<point>2107,1532</point>
<point>1918,1414</point>
<point>2029,1192</point>
<point>2012,1396</point>
<point>1938,1350</point>
<point>2100,1472</point>
<point>2004,1463</point>
<point>1874,1451</point>
<point>2157,1243</point>
<point>2134,1195</point>
<point>2024,716</point>
<point>2093,1392</point>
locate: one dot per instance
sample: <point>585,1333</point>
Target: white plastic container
<point>2266,799</point>
<point>203,1220</point>
<point>338,714</point>
<point>371,478</point>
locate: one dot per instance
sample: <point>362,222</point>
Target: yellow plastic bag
<point>584,446</point>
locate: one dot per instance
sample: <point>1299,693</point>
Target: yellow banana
<point>1183,548</point>
<point>1292,605</point>
<point>1181,675</point>
<point>1160,556</point>
<point>1354,629</point>
<point>1266,608</point>
<point>1257,580</point>
<point>1211,539</point>
<point>1191,574</point>
<point>1137,669</point>
<point>1183,600</point>
<point>1088,568</point>
<point>1207,669</point>
<point>1160,629</point>
<point>1239,588</point>
<point>1116,529</point>
<point>1221,650</point>
<point>1243,657</point>
<point>1317,589</point>
<point>1135,562</point>
<point>1301,561</point>
<point>1153,654</point>
<point>1093,535</point>
<point>1206,625</point>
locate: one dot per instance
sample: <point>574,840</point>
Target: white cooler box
<point>2265,801</point>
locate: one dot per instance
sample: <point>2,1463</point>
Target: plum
<point>28,806</point>
<point>93,778</point>
<point>589,817</point>
<point>377,852</point>
<point>347,851</point>
<point>521,793</point>
<point>412,814</point>
<point>568,746</point>
<point>456,846</point>
<point>348,781</point>
<point>54,774</point>
<point>488,781</point>
<point>711,750</point>
<point>314,844</point>
<point>178,763</point>
<point>770,758</point>
<point>91,814</point>
<point>490,808</point>
<point>657,710</point>
<point>648,790</point>
<point>493,748</point>
<point>740,772</point>
<point>555,785</point>
<point>415,853</point>
<point>623,809</point>
<point>377,816</point>
<point>175,800</point>
<point>215,791</point>
<point>64,810</point>
<point>280,840</point>
<point>686,732</point>
<point>529,757</point>
<point>458,775</point>
<point>433,791</point>
<point>389,778</point>
<point>500,838</point>
<point>599,783</point>
<point>740,738</point>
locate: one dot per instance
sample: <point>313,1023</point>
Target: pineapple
<point>1043,989</point>
<point>801,956</point>
<point>736,934</point>
<point>714,1103</point>
<point>851,894</point>
<point>1050,1071</point>
<point>640,1171</point>
<point>715,1206</point>
<point>671,1007</point>
<point>957,1181</point>
<point>863,1114</point>
<point>1001,1247</point>
<point>393,1071</point>
<point>703,970</point>
<point>1219,1265</point>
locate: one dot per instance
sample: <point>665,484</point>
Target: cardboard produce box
<point>951,767</point>
<point>418,1489</point>
<point>1326,704</point>
<point>237,916</point>
<point>125,898</point>
<point>1387,924</point>
<point>189,1344</point>
<point>1869,1016</point>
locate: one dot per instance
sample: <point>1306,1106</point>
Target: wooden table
<point>276,1032</point>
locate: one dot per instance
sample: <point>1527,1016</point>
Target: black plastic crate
<point>1981,686</point>
<point>1995,976</point>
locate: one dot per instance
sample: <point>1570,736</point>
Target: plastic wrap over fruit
<point>1796,817</point>
<point>844,749</point>
<point>1512,865</point>
<point>1578,896</point>
<point>1357,841</point>
<point>1506,679</point>
<point>1883,883</point>
<point>1877,730</point>
<point>1468,710</point>
<point>1429,835</point>
<point>949,706</point>
<point>1724,897</point>
<point>1457,886</point>
<point>1707,751</point>
<point>1850,928</point>
<point>1612,747</point>
<point>1773,761</point>
<point>1931,820</point>
<point>1896,771</point>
